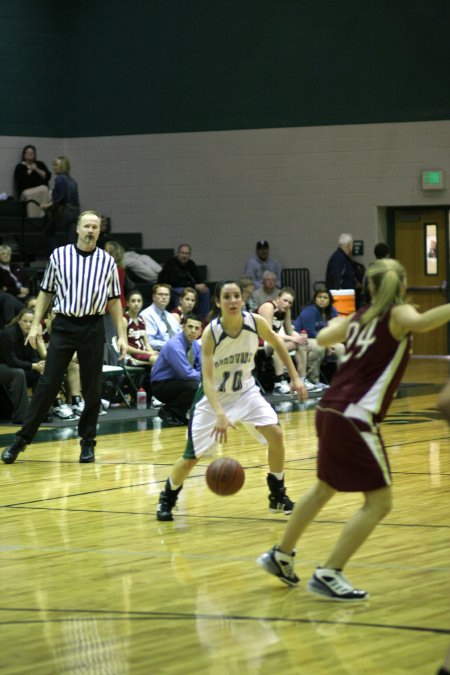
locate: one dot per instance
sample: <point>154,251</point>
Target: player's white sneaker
<point>281,387</point>
<point>64,412</point>
<point>332,584</point>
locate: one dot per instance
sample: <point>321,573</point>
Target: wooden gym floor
<point>92,583</point>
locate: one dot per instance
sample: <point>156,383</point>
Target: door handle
<point>428,288</point>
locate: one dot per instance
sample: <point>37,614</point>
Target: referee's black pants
<point>86,336</point>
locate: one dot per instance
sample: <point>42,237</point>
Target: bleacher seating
<point>12,217</point>
<point>161,255</point>
<point>24,235</point>
<point>28,243</point>
<point>131,241</point>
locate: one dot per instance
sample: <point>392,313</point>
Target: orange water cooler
<point>344,301</point>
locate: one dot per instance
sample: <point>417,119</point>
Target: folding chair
<point>128,378</point>
<point>118,375</point>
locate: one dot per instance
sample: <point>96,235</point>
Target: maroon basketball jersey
<point>278,317</point>
<point>136,331</point>
<point>371,368</point>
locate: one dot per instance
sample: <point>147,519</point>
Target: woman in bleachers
<point>139,350</point>
<point>31,179</point>
<point>64,208</point>
<point>187,304</point>
<point>117,251</point>
<point>315,316</point>
<point>277,313</point>
<point>16,354</point>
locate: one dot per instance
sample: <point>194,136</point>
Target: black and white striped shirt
<point>82,283</point>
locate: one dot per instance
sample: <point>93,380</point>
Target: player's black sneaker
<point>279,502</point>
<point>279,564</point>
<point>167,501</point>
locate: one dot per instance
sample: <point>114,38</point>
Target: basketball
<point>225,476</point>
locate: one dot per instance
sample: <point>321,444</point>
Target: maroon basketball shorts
<point>351,456</point>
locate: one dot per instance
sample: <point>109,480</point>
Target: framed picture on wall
<point>431,248</point>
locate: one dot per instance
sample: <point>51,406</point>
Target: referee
<point>82,280</point>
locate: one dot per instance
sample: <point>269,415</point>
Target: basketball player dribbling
<point>351,454</point>
<point>229,396</point>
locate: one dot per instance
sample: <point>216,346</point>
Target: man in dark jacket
<point>181,272</point>
<point>340,271</point>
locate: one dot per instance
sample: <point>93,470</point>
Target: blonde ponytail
<point>387,283</point>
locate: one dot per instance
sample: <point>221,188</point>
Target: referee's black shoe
<point>9,454</point>
<point>87,454</point>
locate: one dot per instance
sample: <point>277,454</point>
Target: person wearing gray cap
<point>262,262</point>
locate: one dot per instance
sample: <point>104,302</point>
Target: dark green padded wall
<point>151,66</point>
<point>31,69</point>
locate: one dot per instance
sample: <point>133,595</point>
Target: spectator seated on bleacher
<point>13,278</point>
<point>117,251</point>
<point>160,325</point>
<point>177,372</point>
<point>64,208</point>
<point>16,354</point>
<point>262,262</point>
<point>278,315</point>
<point>312,319</point>
<point>269,289</point>
<point>139,351</point>
<point>31,180</point>
<point>181,271</point>
<point>247,289</point>
<point>187,304</point>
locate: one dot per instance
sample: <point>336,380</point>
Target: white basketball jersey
<point>234,358</point>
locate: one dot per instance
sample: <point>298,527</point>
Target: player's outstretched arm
<point>410,320</point>
<point>335,331</point>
